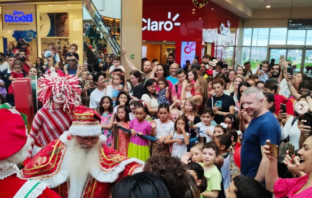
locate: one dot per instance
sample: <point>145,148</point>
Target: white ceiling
<point>260,4</point>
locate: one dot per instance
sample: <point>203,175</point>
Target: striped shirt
<point>48,126</point>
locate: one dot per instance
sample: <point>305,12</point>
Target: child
<point>163,129</point>
<point>174,115</point>
<point>190,111</point>
<point>213,175</point>
<point>179,138</point>
<point>188,89</point>
<point>224,142</point>
<point>118,82</point>
<point>133,105</point>
<point>197,153</point>
<point>205,128</point>
<point>17,73</point>
<point>192,78</point>
<point>271,86</point>
<point>218,130</point>
<point>73,49</point>
<point>116,64</point>
<point>122,118</point>
<point>263,73</point>
<point>163,94</point>
<point>51,50</point>
<point>107,118</point>
<point>138,147</point>
<point>122,99</point>
<point>3,91</point>
<point>231,121</point>
<point>197,172</point>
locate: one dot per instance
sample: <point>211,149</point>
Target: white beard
<point>78,163</point>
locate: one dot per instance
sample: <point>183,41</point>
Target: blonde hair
<point>195,110</point>
<point>203,89</point>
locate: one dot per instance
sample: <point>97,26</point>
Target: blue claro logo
<point>18,17</point>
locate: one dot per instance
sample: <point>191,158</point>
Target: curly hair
<point>171,171</point>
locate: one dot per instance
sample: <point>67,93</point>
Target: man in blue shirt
<point>173,73</point>
<point>262,127</point>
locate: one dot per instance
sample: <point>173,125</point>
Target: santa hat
<point>86,122</point>
<point>13,133</point>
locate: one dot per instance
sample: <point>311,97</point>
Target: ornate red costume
<point>50,165</point>
<point>15,146</point>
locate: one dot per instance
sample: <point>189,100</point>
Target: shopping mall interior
<point>233,31</point>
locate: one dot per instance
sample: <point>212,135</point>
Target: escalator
<point>101,26</point>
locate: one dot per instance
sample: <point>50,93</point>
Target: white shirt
<point>5,65</point>
<point>163,129</point>
<point>178,150</point>
<point>292,131</point>
<point>202,131</point>
<point>284,89</point>
<point>153,101</point>
<point>96,96</point>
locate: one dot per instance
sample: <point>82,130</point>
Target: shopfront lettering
<point>168,25</point>
<point>18,17</point>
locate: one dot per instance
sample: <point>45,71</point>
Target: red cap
<point>13,133</point>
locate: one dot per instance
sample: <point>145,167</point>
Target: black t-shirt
<point>226,100</point>
<point>137,91</point>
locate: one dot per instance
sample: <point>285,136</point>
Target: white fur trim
<point>34,188</point>
<point>103,138</point>
<point>85,130</point>
<point>63,137</point>
<point>111,176</point>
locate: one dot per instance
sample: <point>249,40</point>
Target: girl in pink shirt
<point>138,146</point>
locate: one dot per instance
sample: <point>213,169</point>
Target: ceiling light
<point>193,12</point>
<point>193,9</point>
<point>212,9</point>
<point>50,5</point>
<point>268,6</point>
<point>199,18</point>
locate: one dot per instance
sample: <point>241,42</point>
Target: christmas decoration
<point>198,4</point>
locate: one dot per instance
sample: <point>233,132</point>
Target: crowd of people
<point>205,130</point>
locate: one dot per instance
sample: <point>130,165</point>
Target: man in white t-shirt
<point>3,64</point>
<point>116,65</point>
<point>100,91</point>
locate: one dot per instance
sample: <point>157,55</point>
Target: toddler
<point>48,53</point>
<point>73,51</point>
<point>163,94</point>
<point>17,73</point>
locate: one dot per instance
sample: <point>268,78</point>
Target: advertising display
<point>187,52</point>
<point>59,44</point>
<point>54,24</point>
<point>19,17</point>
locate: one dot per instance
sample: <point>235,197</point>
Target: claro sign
<point>149,25</point>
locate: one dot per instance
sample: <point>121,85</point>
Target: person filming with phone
<point>220,103</point>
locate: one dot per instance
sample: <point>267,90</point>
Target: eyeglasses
<point>87,139</point>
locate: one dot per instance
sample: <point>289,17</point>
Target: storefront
<point>179,27</point>
<point>39,24</point>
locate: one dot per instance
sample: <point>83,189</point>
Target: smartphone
<point>308,118</point>
<point>282,57</point>
<point>290,71</point>
<point>283,108</point>
<point>273,150</point>
<point>87,83</point>
<point>218,103</point>
<point>241,106</point>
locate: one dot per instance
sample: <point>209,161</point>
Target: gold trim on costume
<point>118,158</point>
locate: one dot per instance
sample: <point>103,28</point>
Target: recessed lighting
<point>193,12</point>
<point>193,9</point>
<point>268,6</point>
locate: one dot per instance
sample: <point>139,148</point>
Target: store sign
<point>19,17</point>
<point>187,51</point>
<point>150,25</point>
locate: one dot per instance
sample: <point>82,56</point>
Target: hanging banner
<point>19,17</point>
<point>187,52</point>
<point>95,15</point>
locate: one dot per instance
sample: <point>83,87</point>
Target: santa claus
<point>59,96</point>
<point>79,164</point>
<point>15,147</point>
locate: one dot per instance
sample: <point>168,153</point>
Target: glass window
<point>309,37</point>
<point>258,54</point>
<point>247,37</point>
<point>294,57</point>
<point>228,55</point>
<point>245,54</point>
<point>308,58</point>
<point>277,53</point>
<point>260,36</point>
<point>296,37</point>
<point>278,36</point>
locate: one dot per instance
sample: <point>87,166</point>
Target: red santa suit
<point>49,165</point>
<point>13,141</point>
